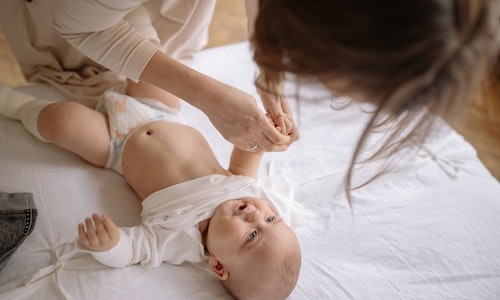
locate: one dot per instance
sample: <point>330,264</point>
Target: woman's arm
<point>233,112</point>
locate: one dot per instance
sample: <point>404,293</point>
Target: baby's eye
<point>270,219</point>
<point>253,235</point>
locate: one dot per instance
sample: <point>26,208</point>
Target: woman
<point>412,59</point>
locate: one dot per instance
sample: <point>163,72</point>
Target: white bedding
<point>427,229</point>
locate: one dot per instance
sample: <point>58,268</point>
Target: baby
<point>193,209</point>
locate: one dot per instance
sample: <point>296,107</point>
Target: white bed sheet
<point>428,229</point>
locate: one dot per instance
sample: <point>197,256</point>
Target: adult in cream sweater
<point>81,47</point>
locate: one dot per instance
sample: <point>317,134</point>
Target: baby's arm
<point>102,236</point>
<point>244,162</point>
<point>121,247</point>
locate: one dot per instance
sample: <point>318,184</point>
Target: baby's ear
<point>218,268</point>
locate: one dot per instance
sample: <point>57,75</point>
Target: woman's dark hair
<point>413,59</point>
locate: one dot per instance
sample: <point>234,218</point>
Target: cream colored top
<point>72,44</point>
<point>169,220</point>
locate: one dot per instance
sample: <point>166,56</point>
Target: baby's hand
<point>102,236</point>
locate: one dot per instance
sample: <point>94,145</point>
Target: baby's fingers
<point>82,235</point>
<point>111,229</point>
<point>94,234</point>
<point>91,233</point>
<point>100,230</point>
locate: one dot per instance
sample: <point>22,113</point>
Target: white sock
<point>22,107</point>
<point>29,116</point>
<point>12,101</point>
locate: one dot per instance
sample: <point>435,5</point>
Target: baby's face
<point>244,230</point>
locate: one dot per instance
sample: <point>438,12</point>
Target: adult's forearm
<point>186,83</point>
<point>233,112</point>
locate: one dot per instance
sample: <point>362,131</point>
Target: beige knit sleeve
<point>98,30</point>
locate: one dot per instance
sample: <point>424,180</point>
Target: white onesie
<point>169,230</point>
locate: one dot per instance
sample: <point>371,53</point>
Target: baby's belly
<point>161,154</point>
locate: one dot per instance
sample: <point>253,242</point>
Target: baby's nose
<point>251,214</point>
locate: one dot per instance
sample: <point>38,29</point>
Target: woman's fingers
<point>237,117</point>
<point>271,139</point>
<point>282,126</point>
<point>277,107</point>
<point>258,129</point>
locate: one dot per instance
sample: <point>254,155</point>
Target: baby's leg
<point>70,125</point>
<point>78,129</point>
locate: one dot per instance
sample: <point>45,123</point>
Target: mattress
<point>427,228</point>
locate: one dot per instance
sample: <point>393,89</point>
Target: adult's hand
<point>276,105</point>
<point>237,117</point>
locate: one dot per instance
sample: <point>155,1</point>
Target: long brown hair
<point>414,59</point>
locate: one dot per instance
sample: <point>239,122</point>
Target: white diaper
<point>125,115</point>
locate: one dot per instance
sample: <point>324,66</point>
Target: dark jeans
<point>17,220</point>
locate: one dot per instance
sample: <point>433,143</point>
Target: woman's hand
<point>237,117</point>
<point>283,123</point>
<point>276,105</point>
<point>99,235</point>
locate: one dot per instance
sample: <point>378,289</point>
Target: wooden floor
<point>480,126</point>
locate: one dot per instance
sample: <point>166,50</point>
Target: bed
<point>428,228</point>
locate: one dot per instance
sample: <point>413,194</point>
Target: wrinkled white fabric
<point>416,232</point>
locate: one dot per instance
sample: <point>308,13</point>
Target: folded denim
<point>17,220</point>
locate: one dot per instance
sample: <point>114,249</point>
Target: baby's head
<point>251,249</point>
